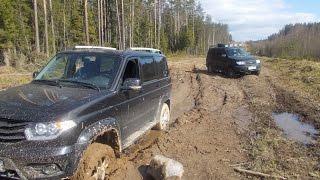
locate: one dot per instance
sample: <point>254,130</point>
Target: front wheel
<point>164,118</point>
<point>230,73</point>
<point>94,163</point>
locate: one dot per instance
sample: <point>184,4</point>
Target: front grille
<point>12,131</point>
<point>251,62</point>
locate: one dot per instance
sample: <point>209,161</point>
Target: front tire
<point>230,73</point>
<point>257,73</point>
<point>94,163</point>
<point>164,118</point>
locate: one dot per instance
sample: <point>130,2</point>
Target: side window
<point>211,53</point>
<point>148,69</point>
<point>221,53</point>
<point>162,67</point>
<point>132,70</point>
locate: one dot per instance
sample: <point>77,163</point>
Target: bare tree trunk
<point>155,23</point>
<point>36,25</point>
<point>64,25</point>
<point>193,28</point>
<point>99,22</point>
<point>23,30</point>
<point>102,22</point>
<point>132,26</point>
<point>119,26</point>
<point>159,23</point>
<point>105,31</point>
<point>123,27</point>
<point>86,23</point>
<point>213,37</point>
<point>52,27</point>
<point>46,27</point>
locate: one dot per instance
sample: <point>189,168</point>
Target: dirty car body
<point>46,125</point>
<point>232,61</point>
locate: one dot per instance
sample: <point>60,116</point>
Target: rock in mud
<point>163,168</point>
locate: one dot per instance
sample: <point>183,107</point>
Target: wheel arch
<point>106,131</point>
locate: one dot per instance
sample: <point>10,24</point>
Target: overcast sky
<point>257,19</point>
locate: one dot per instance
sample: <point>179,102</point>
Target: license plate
<point>252,68</point>
<point>2,166</point>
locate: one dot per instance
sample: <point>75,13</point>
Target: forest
<point>33,30</point>
<point>294,41</point>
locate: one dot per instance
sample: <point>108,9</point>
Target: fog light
<point>50,169</point>
<point>2,167</point>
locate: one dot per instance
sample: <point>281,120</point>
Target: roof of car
<point>143,48</point>
<point>128,52</point>
<point>225,47</point>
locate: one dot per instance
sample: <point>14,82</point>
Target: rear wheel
<point>210,69</point>
<point>164,118</point>
<point>94,163</point>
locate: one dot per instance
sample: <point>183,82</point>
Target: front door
<point>134,102</point>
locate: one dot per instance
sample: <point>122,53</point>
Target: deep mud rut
<point>215,122</point>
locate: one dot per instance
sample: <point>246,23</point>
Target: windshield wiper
<point>83,84</point>
<point>49,82</point>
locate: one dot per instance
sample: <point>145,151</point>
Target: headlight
<point>48,131</point>
<point>241,63</point>
<point>258,61</point>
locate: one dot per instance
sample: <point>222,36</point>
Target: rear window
<point>161,63</point>
<point>212,53</point>
<point>149,72</point>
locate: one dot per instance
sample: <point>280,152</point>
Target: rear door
<point>150,89</point>
<point>221,59</point>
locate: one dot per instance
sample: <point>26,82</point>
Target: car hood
<point>38,102</point>
<point>243,58</point>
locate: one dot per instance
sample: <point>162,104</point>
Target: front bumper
<point>40,163</point>
<point>247,69</point>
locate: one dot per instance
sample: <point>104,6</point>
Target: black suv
<point>84,104</point>
<point>232,61</point>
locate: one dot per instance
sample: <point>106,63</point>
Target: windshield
<point>235,52</point>
<point>90,68</point>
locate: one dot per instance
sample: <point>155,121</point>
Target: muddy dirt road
<point>217,123</point>
<point>220,123</point>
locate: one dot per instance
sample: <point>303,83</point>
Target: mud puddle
<point>294,129</point>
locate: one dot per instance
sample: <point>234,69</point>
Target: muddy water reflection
<point>294,129</point>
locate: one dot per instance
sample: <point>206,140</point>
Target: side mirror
<point>224,55</point>
<point>132,84</point>
<point>35,74</point>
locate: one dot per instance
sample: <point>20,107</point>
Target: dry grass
<point>285,85</point>
<point>302,74</point>
<point>10,77</point>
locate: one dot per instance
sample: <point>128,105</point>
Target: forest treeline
<point>293,41</point>
<point>34,29</point>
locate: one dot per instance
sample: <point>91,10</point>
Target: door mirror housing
<point>132,84</point>
<point>35,74</point>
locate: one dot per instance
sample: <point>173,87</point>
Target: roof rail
<point>143,48</point>
<point>95,47</point>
